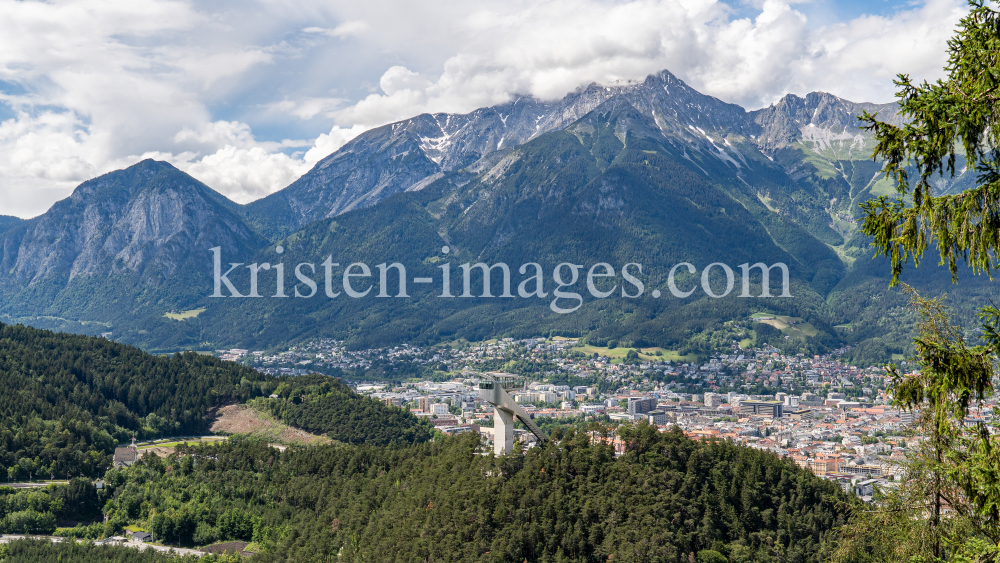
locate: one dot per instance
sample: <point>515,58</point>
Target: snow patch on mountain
<point>823,139</point>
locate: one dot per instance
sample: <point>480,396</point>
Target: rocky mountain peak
<point>125,182</point>
<point>147,220</point>
<point>819,117</point>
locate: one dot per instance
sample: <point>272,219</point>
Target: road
<point>136,545</point>
<point>33,484</point>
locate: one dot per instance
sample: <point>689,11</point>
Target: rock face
<point>410,154</point>
<point>146,224</point>
<point>819,118</point>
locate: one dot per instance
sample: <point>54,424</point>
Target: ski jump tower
<point>493,388</point>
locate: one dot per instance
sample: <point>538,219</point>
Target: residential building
<point>640,405</point>
<point>773,409</point>
<point>126,456</point>
<point>658,418</point>
<point>424,403</point>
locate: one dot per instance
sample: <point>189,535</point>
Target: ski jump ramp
<point>493,388</point>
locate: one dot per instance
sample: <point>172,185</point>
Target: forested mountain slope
<point>667,499</point>
<point>66,401</point>
<point>610,188</point>
<point>7,222</point>
<point>323,405</point>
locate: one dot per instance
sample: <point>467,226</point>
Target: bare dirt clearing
<point>160,452</point>
<point>241,419</point>
<point>230,547</point>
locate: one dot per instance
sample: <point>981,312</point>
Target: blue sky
<point>826,12</point>
<point>247,95</point>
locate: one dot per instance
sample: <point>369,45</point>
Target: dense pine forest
<point>323,405</point>
<point>36,511</point>
<point>66,401</point>
<point>668,499</point>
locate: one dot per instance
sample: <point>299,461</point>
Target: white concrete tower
<point>493,388</point>
<point>503,431</point>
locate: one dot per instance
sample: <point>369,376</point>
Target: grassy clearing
<point>884,186</point>
<point>164,448</point>
<point>842,253</point>
<point>184,315</point>
<point>789,326</point>
<point>767,202</point>
<point>824,169</point>
<point>804,330</point>
<point>649,354</point>
<point>175,443</point>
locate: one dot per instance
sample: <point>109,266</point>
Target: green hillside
<point>568,500</point>
<point>67,398</point>
<point>66,401</point>
<point>323,405</point>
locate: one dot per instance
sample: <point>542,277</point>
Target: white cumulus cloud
<point>343,30</point>
<point>548,49</point>
<point>246,174</point>
<point>246,96</point>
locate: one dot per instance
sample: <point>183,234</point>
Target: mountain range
<point>408,155</point>
<point>648,172</point>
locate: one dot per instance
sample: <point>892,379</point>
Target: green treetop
<point>958,467</point>
<point>953,116</point>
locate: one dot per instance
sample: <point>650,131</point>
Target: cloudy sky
<point>246,95</point>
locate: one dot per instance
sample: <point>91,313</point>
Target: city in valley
<point>832,418</point>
